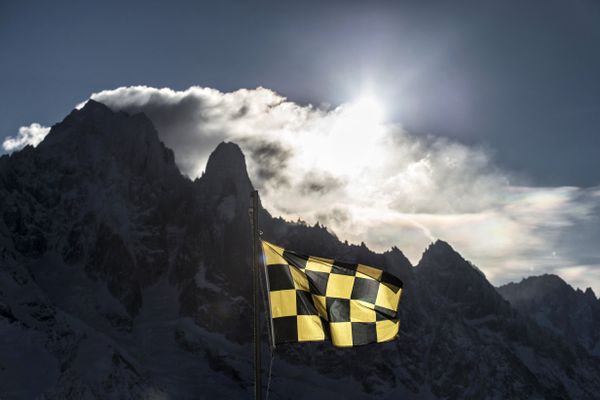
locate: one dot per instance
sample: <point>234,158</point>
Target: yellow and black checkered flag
<point>317,299</point>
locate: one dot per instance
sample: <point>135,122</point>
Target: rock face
<point>572,314</point>
<point>120,278</point>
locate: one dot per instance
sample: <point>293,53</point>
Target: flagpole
<point>256,289</point>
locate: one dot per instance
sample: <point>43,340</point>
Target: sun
<point>354,141</point>
<point>362,120</point>
<point>351,140</point>
<point>366,111</point>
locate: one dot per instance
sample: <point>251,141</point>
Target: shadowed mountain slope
<point>573,314</point>
<point>122,279</point>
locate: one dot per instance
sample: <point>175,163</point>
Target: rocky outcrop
<point>553,304</point>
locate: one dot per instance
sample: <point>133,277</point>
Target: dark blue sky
<point>520,79</point>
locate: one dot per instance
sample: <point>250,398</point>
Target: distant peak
<point>227,157</point>
<point>95,131</point>
<point>228,148</point>
<point>546,279</point>
<point>457,279</point>
<point>590,293</point>
<point>92,110</point>
<point>227,164</point>
<point>94,105</point>
<point>440,247</point>
<point>537,286</point>
<point>441,255</point>
<point>551,278</point>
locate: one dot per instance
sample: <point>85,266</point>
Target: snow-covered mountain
<point>122,279</point>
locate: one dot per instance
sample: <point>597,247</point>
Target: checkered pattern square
<point>317,299</point>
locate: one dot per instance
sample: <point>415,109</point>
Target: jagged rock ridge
<point>120,278</point>
<point>572,314</point>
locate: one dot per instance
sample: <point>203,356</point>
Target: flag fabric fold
<point>317,299</point>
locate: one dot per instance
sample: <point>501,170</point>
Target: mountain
<point>573,314</point>
<point>122,279</point>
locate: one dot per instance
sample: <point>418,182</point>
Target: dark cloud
<point>193,122</point>
<point>241,112</point>
<point>319,184</point>
<point>270,159</point>
<point>335,217</point>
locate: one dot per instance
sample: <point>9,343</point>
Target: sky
<point>393,123</point>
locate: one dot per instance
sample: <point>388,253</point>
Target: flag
<point>318,299</point>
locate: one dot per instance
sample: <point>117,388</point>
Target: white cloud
<point>28,135</point>
<point>372,181</point>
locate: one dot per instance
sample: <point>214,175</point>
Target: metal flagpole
<point>256,289</point>
<point>268,307</point>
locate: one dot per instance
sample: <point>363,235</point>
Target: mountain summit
<point>121,278</point>
<point>226,173</point>
<point>573,314</point>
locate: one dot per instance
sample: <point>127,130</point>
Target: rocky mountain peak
<point>556,305</point>
<point>536,288</point>
<point>227,160</point>
<point>90,108</point>
<point>91,114</point>
<point>442,256</point>
<point>95,106</point>
<point>94,135</point>
<point>547,280</point>
<point>439,247</point>
<point>590,294</point>
<point>226,173</point>
<point>459,281</point>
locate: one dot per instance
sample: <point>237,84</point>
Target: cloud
<point>372,181</point>
<point>270,160</point>
<point>319,183</point>
<point>28,135</point>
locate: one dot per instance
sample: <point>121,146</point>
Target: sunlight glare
<point>357,135</point>
<point>351,145</point>
<point>366,112</point>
